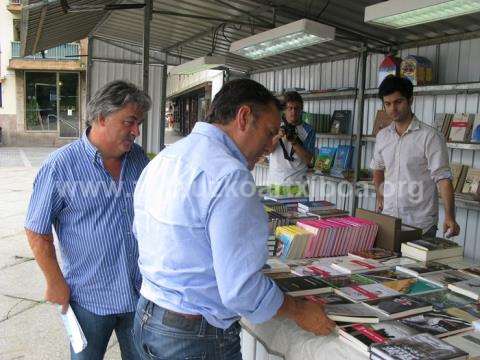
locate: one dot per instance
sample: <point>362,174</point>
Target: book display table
<point>282,339</point>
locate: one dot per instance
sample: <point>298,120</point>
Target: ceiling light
<point>284,38</point>
<point>197,65</point>
<point>402,13</point>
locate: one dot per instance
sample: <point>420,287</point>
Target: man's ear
<point>101,120</point>
<point>244,114</point>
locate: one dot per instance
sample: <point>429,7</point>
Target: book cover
<point>444,299</point>
<point>324,160</point>
<point>366,335</point>
<point>347,280</point>
<point>444,278</point>
<point>374,253</point>
<point>465,313</point>
<point>354,265</point>
<point>399,306</point>
<point>418,347</point>
<point>437,323</point>
<point>387,275</point>
<point>358,293</point>
<point>460,127</point>
<point>343,157</point>
<point>411,286</point>
<point>341,122</point>
<point>472,181</point>
<point>305,285</point>
<point>327,299</point>
<point>307,206</point>
<point>473,270</point>
<point>476,129</point>
<point>422,268</point>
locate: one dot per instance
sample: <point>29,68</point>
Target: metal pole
<point>360,105</point>
<point>89,67</point>
<point>147,17</point>
<point>162,105</point>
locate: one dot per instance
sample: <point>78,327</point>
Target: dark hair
<point>237,93</point>
<point>394,83</point>
<point>292,96</point>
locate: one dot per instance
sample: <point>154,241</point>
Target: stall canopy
<point>193,28</point>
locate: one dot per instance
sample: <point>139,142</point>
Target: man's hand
<point>311,317</point>
<point>450,227</point>
<point>379,204</point>
<point>308,315</point>
<point>58,293</point>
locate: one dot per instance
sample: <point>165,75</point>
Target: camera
<point>290,132</point>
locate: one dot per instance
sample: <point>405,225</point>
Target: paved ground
<point>29,328</point>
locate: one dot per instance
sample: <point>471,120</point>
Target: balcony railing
<point>69,51</point>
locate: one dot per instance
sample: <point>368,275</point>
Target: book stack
<point>309,206</point>
<point>432,249</point>
<point>471,185</point>
<point>442,123</point>
<point>459,173</point>
<point>338,236</point>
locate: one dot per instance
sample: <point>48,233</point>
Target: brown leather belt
<point>187,316</point>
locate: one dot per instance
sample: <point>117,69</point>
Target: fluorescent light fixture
<point>402,13</point>
<point>199,64</point>
<point>284,38</point>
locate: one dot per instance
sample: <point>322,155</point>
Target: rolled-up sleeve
<point>377,162</point>
<point>238,230</point>
<point>437,157</point>
<point>45,202</point>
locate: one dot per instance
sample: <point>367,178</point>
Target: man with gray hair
<point>85,191</point>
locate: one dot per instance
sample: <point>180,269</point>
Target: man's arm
<point>378,182</point>
<point>303,153</point>
<point>450,226</point>
<point>57,290</point>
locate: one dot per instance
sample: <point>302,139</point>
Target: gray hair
<point>113,97</point>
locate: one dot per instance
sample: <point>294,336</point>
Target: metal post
<point>360,105</point>
<point>162,104</point>
<point>89,67</point>
<point>147,17</point>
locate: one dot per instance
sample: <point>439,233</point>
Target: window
<point>51,103</point>
<point>16,29</point>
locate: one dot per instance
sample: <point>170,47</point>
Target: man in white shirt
<point>410,164</point>
<point>294,147</point>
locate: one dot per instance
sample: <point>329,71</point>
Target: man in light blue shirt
<point>202,234</point>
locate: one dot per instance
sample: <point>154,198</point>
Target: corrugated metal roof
<point>192,37</point>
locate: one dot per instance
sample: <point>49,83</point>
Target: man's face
<point>122,127</point>
<point>260,133</point>
<point>293,112</point>
<point>397,106</point>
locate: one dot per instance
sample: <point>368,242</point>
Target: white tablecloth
<point>283,337</point>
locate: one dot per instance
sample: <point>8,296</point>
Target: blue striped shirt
<point>202,232</point>
<point>92,215</point>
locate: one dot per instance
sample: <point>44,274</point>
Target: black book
<point>420,346</point>
<point>437,323</point>
<point>301,286</point>
<point>341,121</point>
<point>400,306</point>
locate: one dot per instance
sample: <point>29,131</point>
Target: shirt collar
<point>414,125</point>
<point>90,149</point>
<point>218,134</point>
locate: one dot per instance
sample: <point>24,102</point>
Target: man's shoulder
<point>64,156</point>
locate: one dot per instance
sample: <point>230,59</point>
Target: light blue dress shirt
<point>93,216</point>
<point>202,232</point>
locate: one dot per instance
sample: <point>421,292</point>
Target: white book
<point>74,330</point>
<point>470,288</point>
<point>358,293</point>
<point>354,265</point>
<point>444,278</point>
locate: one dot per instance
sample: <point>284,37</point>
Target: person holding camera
<point>293,148</point>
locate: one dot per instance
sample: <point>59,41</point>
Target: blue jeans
<point>163,334</point>
<point>99,328</point>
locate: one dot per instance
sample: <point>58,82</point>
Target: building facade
<point>42,97</point>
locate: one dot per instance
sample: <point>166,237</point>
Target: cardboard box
<point>391,232</point>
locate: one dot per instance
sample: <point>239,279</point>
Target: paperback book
<point>400,306</point>
<point>417,347</point>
